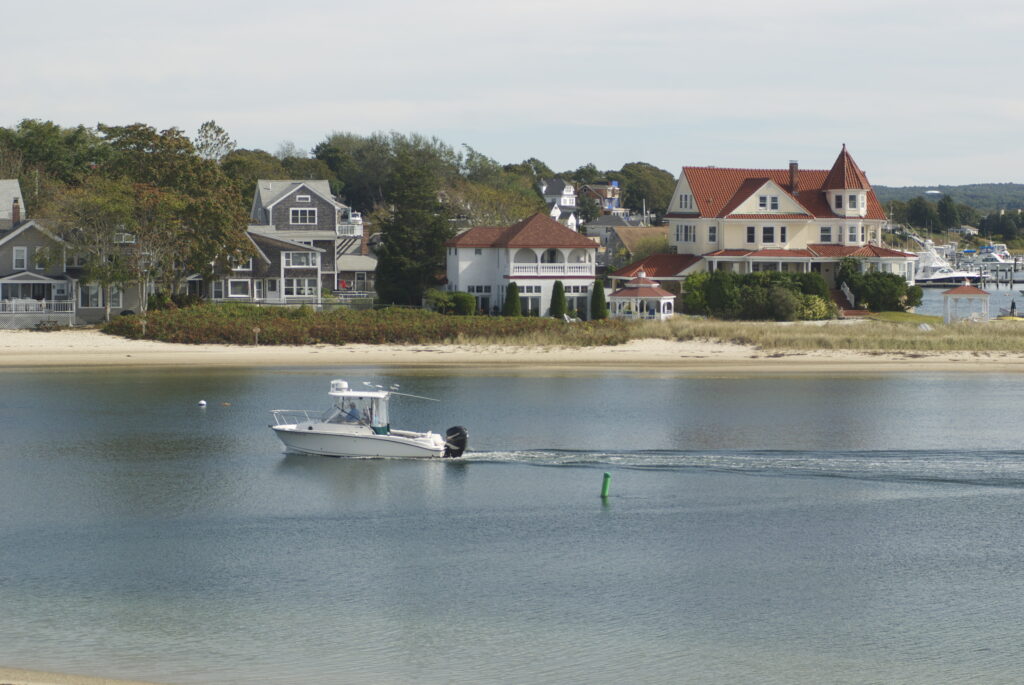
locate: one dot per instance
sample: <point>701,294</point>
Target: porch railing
<point>584,269</point>
<point>29,306</point>
<point>848,294</point>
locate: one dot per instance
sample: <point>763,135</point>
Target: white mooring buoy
<point>202,403</point>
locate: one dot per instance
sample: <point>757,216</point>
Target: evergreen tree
<point>414,230</point>
<point>558,302</point>
<point>512,305</point>
<point>598,305</point>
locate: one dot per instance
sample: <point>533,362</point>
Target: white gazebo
<point>965,302</point>
<point>641,298</point>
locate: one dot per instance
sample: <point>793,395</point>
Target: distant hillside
<point>981,196</point>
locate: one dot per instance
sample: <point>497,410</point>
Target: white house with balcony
<point>533,254</point>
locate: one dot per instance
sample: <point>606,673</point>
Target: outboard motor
<point>455,440</point>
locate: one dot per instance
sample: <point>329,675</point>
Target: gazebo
<point>641,298</point>
<point>960,303</point>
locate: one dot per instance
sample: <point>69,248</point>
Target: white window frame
<point>782,235</point>
<point>851,233</point>
<point>301,287</point>
<point>768,234</point>
<point>302,216</point>
<point>289,260</point>
<point>852,202</point>
<point>825,234</point>
<point>36,264</point>
<point>244,266</point>
<point>839,201</point>
<point>751,234</point>
<point>116,297</point>
<point>271,285</point>
<point>303,198</point>
<point>774,202</point>
<point>20,255</point>
<point>713,233</point>
<point>762,202</point>
<point>217,290</point>
<point>232,282</point>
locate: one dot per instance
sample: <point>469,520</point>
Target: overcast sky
<point>921,92</point>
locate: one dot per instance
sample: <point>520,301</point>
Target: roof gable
<point>271,191</point>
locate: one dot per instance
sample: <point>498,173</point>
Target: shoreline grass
<point>238,324</point>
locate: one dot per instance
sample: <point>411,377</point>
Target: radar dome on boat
<point>338,386</point>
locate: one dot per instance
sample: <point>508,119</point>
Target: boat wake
<point>996,468</point>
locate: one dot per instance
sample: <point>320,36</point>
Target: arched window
<point>552,256</point>
<point>525,256</point>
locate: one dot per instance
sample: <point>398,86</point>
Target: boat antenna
<point>419,397</point>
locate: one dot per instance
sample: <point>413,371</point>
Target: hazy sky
<point>921,92</point>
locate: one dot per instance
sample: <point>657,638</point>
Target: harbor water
<point>784,529</point>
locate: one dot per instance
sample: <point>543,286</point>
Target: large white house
<point>533,254</point>
<point>795,220</point>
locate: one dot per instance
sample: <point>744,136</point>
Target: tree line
<point>185,199</point>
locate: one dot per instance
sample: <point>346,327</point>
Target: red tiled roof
<point>642,292</point>
<point>479,236</point>
<point>964,290</point>
<point>539,230</point>
<point>728,253</point>
<point>829,250</point>
<point>718,191</point>
<point>659,266</point>
<point>846,174</point>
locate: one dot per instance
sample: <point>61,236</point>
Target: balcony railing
<point>30,306</point>
<point>564,269</point>
<point>349,230</point>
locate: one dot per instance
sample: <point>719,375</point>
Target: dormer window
<point>303,198</point>
<point>768,202</point>
<point>839,201</point>
<point>853,202</point>
<point>762,202</point>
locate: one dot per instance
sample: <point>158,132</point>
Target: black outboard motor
<point>456,439</point>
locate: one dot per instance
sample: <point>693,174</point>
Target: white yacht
<point>357,424</point>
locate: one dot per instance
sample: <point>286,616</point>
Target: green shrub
<point>559,305</point>
<point>723,295</point>
<point>817,308</point>
<point>598,304</point>
<point>695,293</point>
<point>512,305</point>
<point>785,304</point>
<point>464,304</point>
<point>439,300</point>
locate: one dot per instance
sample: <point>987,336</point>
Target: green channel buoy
<point>606,485</point>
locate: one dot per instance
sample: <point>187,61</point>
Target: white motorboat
<point>933,269</point>
<point>357,424</point>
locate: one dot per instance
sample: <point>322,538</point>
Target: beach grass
<point>249,325</point>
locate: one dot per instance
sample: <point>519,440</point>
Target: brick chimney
<point>794,177</point>
<point>15,213</point>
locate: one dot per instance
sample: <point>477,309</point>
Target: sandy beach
<point>90,348</point>
<point>17,676</point>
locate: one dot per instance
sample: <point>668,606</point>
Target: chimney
<point>15,213</point>
<point>794,177</point>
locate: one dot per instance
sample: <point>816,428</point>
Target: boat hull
<point>333,444</point>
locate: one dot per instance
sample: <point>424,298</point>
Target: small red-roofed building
<point>533,254</point>
<point>792,220</point>
<point>641,298</point>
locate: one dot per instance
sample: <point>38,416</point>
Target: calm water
<point>771,530</point>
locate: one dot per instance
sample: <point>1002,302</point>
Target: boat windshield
<point>367,411</point>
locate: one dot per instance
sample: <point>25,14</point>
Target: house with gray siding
<point>36,292</point>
